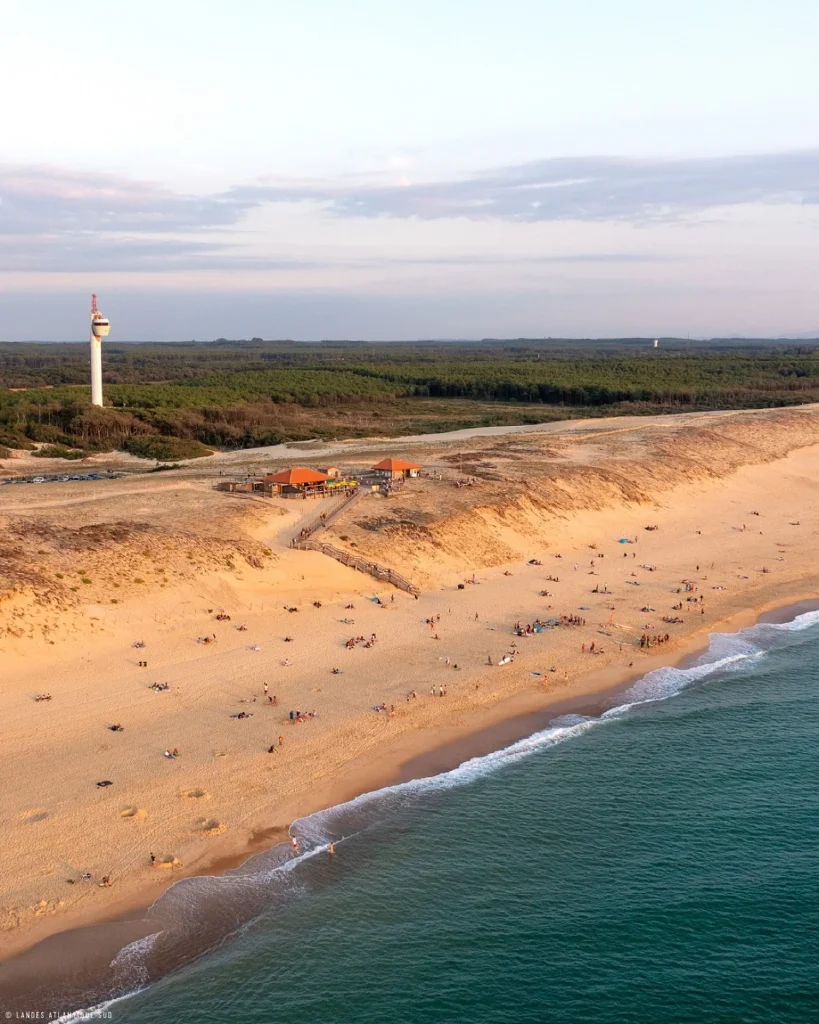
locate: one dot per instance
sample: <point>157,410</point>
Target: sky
<point>377,170</point>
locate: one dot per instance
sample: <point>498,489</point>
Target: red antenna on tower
<point>94,309</point>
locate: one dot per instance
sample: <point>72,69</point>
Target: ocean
<point>658,864</point>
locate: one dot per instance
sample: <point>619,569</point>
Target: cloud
<point>35,200</point>
<point>470,259</point>
<point>53,219</point>
<point>85,252</point>
<point>592,189</point>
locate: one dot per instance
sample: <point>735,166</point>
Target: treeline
<point>703,381</point>
<point>31,365</point>
<point>231,410</point>
<point>231,395</point>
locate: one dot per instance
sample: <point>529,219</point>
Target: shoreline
<point>87,946</point>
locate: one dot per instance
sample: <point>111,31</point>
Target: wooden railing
<point>373,569</point>
<point>321,522</point>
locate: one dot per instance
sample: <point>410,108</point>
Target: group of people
<point>361,641</point>
<point>653,641</point>
<point>530,629</point>
<point>593,648</point>
<point>302,716</point>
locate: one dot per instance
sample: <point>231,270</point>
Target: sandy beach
<point>738,532</point>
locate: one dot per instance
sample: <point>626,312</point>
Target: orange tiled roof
<point>297,475</point>
<point>395,465</point>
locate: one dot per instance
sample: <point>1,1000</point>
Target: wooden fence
<point>373,569</point>
<point>304,543</point>
<point>321,522</point>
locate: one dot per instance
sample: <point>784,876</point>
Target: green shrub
<point>160,447</point>
<point>58,451</point>
<point>12,440</point>
<point>48,433</point>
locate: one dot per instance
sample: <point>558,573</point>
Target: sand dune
<point>573,492</point>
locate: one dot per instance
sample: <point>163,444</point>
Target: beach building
<point>296,481</point>
<point>300,482</point>
<point>237,486</point>
<point>396,469</point>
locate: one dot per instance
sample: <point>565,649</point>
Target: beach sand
<point>225,796</point>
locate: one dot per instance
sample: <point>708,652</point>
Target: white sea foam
<point>129,971</point>
<point>129,964</point>
<point>94,1012</point>
<point>795,625</point>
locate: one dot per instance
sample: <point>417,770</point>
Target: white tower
<point>99,329</point>
<point>656,342</point>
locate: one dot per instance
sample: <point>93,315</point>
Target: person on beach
<point>331,850</point>
<point>295,847</point>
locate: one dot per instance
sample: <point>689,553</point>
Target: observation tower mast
<point>99,330</point>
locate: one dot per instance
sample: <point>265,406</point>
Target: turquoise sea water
<point>656,866</point>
